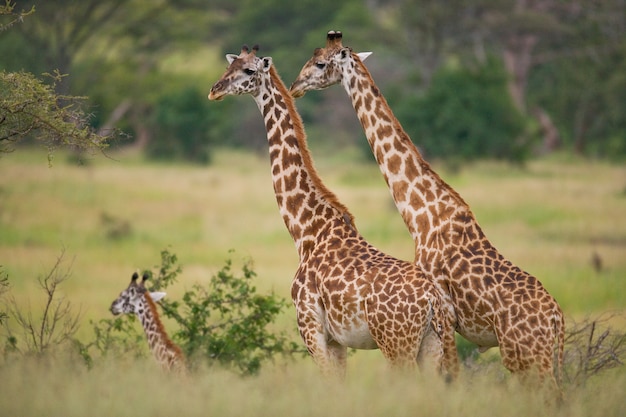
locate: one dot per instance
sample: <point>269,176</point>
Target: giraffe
<point>346,292</point>
<point>138,300</point>
<point>495,302</point>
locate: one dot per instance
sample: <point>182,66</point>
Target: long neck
<point>163,349</point>
<point>414,186</point>
<point>305,203</point>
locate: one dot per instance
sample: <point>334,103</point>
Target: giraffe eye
<point>249,71</point>
<point>320,65</point>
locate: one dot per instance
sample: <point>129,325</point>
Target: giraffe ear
<point>156,296</point>
<point>363,55</point>
<point>230,58</point>
<point>267,63</point>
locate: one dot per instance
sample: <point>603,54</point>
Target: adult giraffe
<point>496,303</point>
<point>346,292</point>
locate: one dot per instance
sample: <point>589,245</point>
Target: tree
<point>31,108</point>
<point>93,40</point>
<point>526,34</point>
<point>466,114</point>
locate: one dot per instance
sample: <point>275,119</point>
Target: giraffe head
<point>243,76</point>
<point>325,66</point>
<point>132,299</point>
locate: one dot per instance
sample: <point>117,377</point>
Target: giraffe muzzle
<point>297,89</point>
<point>216,96</point>
<point>217,92</point>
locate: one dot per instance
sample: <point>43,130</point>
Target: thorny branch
<point>58,321</point>
<point>593,346</point>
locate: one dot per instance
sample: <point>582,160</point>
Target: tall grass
<point>32,388</point>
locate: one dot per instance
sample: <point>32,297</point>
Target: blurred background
<point>470,79</point>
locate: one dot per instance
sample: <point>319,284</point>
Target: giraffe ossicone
<point>136,299</point>
<point>495,302</point>
<point>346,292</point>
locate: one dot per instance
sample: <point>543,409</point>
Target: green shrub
<point>180,127</point>
<point>228,322</point>
<point>224,321</point>
<point>466,114</point>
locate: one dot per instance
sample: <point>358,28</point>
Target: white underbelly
<point>353,333</point>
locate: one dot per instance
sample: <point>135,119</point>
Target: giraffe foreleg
<point>328,354</point>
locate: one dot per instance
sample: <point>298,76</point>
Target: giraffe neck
<point>414,186</point>
<point>161,346</point>
<point>305,203</point>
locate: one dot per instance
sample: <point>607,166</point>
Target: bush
<point>225,321</point>
<point>180,127</point>
<point>51,328</point>
<point>466,114</point>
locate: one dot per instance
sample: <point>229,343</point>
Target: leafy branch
<point>30,107</point>
<point>6,11</point>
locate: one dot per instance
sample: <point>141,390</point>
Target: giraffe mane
<point>307,160</point>
<point>401,132</point>
<point>159,324</point>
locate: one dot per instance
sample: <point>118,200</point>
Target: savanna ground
<point>114,216</point>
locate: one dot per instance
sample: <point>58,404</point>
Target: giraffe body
<point>495,302</point>
<point>346,292</point>
<point>136,299</point>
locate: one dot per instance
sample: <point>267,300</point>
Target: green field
<point>114,216</point>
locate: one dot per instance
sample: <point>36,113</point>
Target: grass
<point>115,215</point>
<point>59,389</point>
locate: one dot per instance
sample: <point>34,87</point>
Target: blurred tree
<point>182,125</point>
<point>580,79</point>
<point>128,37</point>
<point>526,34</point>
<point>466,114</point>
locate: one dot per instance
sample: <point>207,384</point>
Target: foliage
<point>117,337</point>
<point>587,98</point>
<point>563,59</point>
<point>11,17</point>
<point>466,114</point>
<point>58,322</point>
<point>228,322</point>
<point>180,127</point>
<point>225,321</point>
<point>30,107</point>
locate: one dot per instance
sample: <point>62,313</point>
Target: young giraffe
<point>346,292</point>
<point>137,300</point>
<point>496,303</point>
